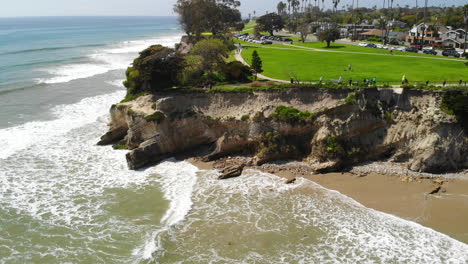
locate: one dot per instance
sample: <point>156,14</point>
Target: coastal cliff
<point>330,129</point>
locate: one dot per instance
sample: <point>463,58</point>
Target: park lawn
<point>354,48</point>
<point>309,66</point>
<point>249,27</point>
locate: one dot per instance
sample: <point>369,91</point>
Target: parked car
<point>418,47</point>
<point>401,48</point>
<point>394,42</point>
<point>371,45</point>
<point>429,51</point>
<point>362,44</point>
<point>411,49</point>
<point>267,42</point>
<point>451,53</point>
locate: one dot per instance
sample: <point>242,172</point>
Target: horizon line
<point>39,16</point>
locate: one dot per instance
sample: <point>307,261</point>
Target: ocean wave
<point>257,218</point>
<point>177,180</point>
<point>51,49</point>
<point>118,56</point>
<point>14,139</point>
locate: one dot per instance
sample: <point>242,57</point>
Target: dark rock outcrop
<point>231,172</point>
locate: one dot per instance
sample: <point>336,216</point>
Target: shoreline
<point>406,197</point>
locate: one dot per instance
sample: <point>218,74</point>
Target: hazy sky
<point>152,7</point>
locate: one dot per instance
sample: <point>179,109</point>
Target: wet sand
<point>408,198</point>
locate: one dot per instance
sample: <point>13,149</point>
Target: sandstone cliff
<point>342,127</point>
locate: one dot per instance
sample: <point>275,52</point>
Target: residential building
<point>454,38</point>
<point>429,32</point>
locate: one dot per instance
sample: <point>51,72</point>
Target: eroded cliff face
<point>404,126</point>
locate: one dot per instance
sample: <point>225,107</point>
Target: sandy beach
<point>402,196</point>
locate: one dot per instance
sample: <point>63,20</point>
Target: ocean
<point>63,199</point>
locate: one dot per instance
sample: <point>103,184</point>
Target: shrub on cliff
<point>276,146</point>
<point>156,68</point>
<point>291,114</point>
<point>455,102</point>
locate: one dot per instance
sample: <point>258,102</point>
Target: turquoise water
<point>65,200</point>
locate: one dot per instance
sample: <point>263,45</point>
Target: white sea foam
<point>116,56</point>
<point>58,176</point>
<point>302,223</point>
<point>177,180</point>
<point>69,117</point>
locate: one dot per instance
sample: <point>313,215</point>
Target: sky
<point>13,8</point>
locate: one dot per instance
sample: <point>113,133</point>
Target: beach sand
<point>408,198</point>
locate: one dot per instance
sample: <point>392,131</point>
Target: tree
<point>156,68</point>
<point>270,22</point>
<point>465,11</point>
<point>212,51</point>
<point>329,35</point>
<point>198,16</point>
<point>281,8</point>
<point>304,30</point>
<point>256,63</point>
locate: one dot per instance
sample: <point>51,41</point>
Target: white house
<point>430,32</point>
<point>454,38</point>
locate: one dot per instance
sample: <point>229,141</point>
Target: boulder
<point>231,172</point>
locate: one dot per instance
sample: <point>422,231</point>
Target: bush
<point>274,145</point>
<point>130,112</point>
<point>235,71</point>
<point>120,146</point>
<point>258,117</point>
<point>455,102</point>
<point>290,114</point>
<point>351,99</point>
<point>157,116</point>
<point>334,147</point>
<point>245,117</point>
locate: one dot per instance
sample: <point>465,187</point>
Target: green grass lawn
<point>354,48</point>
<point>310,65</point>
<point>249,27</point>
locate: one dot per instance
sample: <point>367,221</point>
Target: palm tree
<point>424,21</point>
<point>465,9</point>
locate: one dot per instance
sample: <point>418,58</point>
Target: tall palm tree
<point>465,10</point>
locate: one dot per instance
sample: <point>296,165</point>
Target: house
<point>374,33</point>
<point>378,33</point>
<point>397,24</point>
<point>319,26</point>
<point>454,38</point>
<point>349,30</point>
<point>430,33</point>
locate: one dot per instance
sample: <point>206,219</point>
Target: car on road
<point>362,44</point>
<point>430,51</point>
<point>418,47</point>
<point>411,49</point>
<point>450,53</point>
<point>371,45</point>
